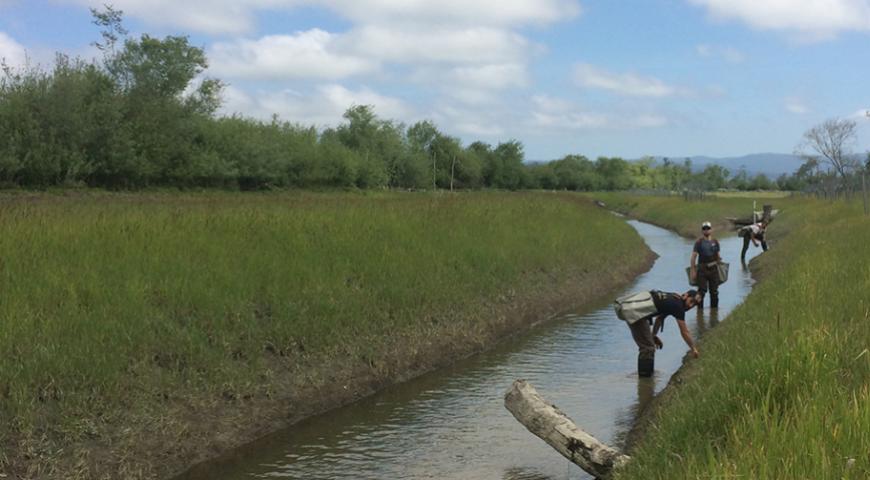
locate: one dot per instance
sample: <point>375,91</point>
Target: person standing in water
<point>705,266</point>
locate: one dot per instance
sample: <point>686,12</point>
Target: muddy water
<point>452,424</point>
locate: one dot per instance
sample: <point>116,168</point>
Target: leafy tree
<point>506,165</point>
<point>614,172</point>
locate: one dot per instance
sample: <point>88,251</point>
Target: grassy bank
<point>685,217</point>
<point>783,387</point>
<point>141,332</point>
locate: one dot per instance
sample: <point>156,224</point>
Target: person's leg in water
<point>745,236</point>
<point>646,347</point>
<point>712,281</point>
<point>702,284</point>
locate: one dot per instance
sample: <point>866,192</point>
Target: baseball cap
<point>706,225</point>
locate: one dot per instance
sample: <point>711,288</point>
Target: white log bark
<point>554,427</point>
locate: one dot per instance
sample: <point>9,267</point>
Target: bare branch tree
<point>831,141</point>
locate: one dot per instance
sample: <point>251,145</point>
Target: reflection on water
<point>520,473</point>
<point>452,424</point>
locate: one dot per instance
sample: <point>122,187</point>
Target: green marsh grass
<point>686,217</point>
<point>112,303</point>
<point>783,387</point>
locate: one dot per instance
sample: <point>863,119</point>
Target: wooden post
<point>434,161</point>
<point>452,166</point>
<point>554,427</point>
<point>864,191</point>
<point>765,216</point>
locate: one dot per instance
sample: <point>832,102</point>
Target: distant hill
<point>770,164</point>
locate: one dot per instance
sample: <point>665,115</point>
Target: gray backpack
<point>635,306</point>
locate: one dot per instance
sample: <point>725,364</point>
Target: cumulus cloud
<point>471,62</point>
<point>817,17</point>
<point>11,52</point>
<point>490,12</point>
<point>480,85</point>
<point>438,44</point>
<point>322,106</point>
<point>631,84</point>
<point>466,120</point>
<point>234,16</point>
<point>207,16</point>
<point>554,113</point>
<point>303,54</point>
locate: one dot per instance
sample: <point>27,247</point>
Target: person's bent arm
<point>658,324</point>
<point>657,327</point>
<point>687,337</point>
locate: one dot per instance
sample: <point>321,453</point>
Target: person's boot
<point>714,300</point>
<point>645,367</point>
<point>701,303</point>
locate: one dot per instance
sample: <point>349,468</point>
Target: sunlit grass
<point>750,194</point>
<point>108,300</point>
<point>686,216</point>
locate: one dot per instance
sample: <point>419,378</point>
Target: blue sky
<point>622,78</point>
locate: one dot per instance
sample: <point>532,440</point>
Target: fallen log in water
<point>554,427</point>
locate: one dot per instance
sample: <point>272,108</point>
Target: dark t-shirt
<point>669,304</point>
<point>708,250</point>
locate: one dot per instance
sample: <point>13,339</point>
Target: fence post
<point>864,190</point>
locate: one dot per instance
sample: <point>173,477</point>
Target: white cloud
<point>470,121</point>
<point>303,54</point>
<point>817,17</point>
<point>473,84</point>
<point>235,16</point>
<point>11,51</point>
<point>470,62</point>
<point>478,12</point>
<point>323,106</point>
<point>499,76</point>
<point>469,45</point>
<point>622,83</point>
<point>796,106</point>
<point>208,16</point>
<point>554,113</point>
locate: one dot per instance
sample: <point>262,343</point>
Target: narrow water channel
<point>452,424</point>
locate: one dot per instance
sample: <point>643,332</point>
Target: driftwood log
<point>554,427</point>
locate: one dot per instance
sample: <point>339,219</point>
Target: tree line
<point>139,117</point>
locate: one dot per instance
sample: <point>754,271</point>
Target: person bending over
<point>646,338</point>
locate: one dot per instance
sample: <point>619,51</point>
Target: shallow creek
<point>451,424</point>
